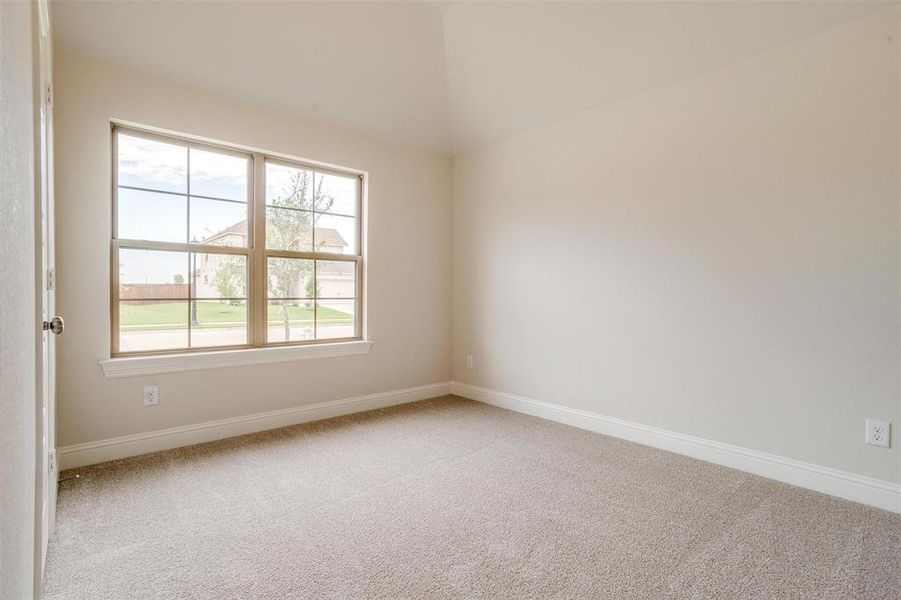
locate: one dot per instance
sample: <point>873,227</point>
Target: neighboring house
<point>336,279</point>
<point>234,235</point>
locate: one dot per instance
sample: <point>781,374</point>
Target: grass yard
<point>174,315</point>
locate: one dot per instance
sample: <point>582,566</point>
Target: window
<point>215,247</point>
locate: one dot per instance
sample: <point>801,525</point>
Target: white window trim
<point>133,366</point>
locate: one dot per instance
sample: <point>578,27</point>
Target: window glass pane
<point>218,175</point>
<point>336,194</point>
<point>290,278</point>
<point>218,223</point>
<point>289,186</point>
<point>219,275</point>
<point>336,279</point>
<point>152,164</point>
<point>218,323</point>
<point>334,319</point>
<point>152,274</point>
<point>336,235</point>
<point>288,229</point>
<point>289,320</point>
<point>153,325</point>
<point>151,216</point>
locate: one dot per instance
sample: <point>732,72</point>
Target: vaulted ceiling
<point>439,75</point>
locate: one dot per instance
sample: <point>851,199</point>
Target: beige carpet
<point>450,498</point>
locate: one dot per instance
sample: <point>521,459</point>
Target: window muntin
<point>205,259</point>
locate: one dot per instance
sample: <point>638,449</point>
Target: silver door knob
<point>56,325</point>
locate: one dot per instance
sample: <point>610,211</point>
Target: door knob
<point>56,325</point>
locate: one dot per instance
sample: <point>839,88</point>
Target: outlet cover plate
<point>878,433</point>
<point>151,395</point>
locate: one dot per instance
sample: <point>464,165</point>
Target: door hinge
<point>51,461</point>
<point>51,279</point>
<point>49,94</point>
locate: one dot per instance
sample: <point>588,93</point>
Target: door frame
<point>46,470</point>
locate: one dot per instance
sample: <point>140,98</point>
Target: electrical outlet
<point>151,395</point>
<point>878,433</point>
<point>469,361</point>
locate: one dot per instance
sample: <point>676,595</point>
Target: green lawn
<point>174,315</point>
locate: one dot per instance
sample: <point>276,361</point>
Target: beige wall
<point>17,304</point>
<point>408,292</point>
<point>719,258</point>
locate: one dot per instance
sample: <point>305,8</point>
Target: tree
<point>228,273</point>
<point>178,279</point>
<point>293,230</point>
<point>311,288</point>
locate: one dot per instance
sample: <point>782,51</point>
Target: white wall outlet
<point>469,361</point>
<point>878,433</point>
<point>151,395</point>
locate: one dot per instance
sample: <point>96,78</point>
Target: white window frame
<point>127,363</point>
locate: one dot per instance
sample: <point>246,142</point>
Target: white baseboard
<point>866,490</point>
<point>79,455</point>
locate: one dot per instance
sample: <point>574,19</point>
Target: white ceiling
<point>440,75</point>
<point>377,68</point>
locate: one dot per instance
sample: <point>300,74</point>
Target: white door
<point>52,324</point>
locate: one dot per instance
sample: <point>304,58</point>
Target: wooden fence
<point>153,291</point>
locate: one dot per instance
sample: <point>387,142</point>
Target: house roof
<point>327,235</point>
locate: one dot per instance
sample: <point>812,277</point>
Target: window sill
<point>193,361</point>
